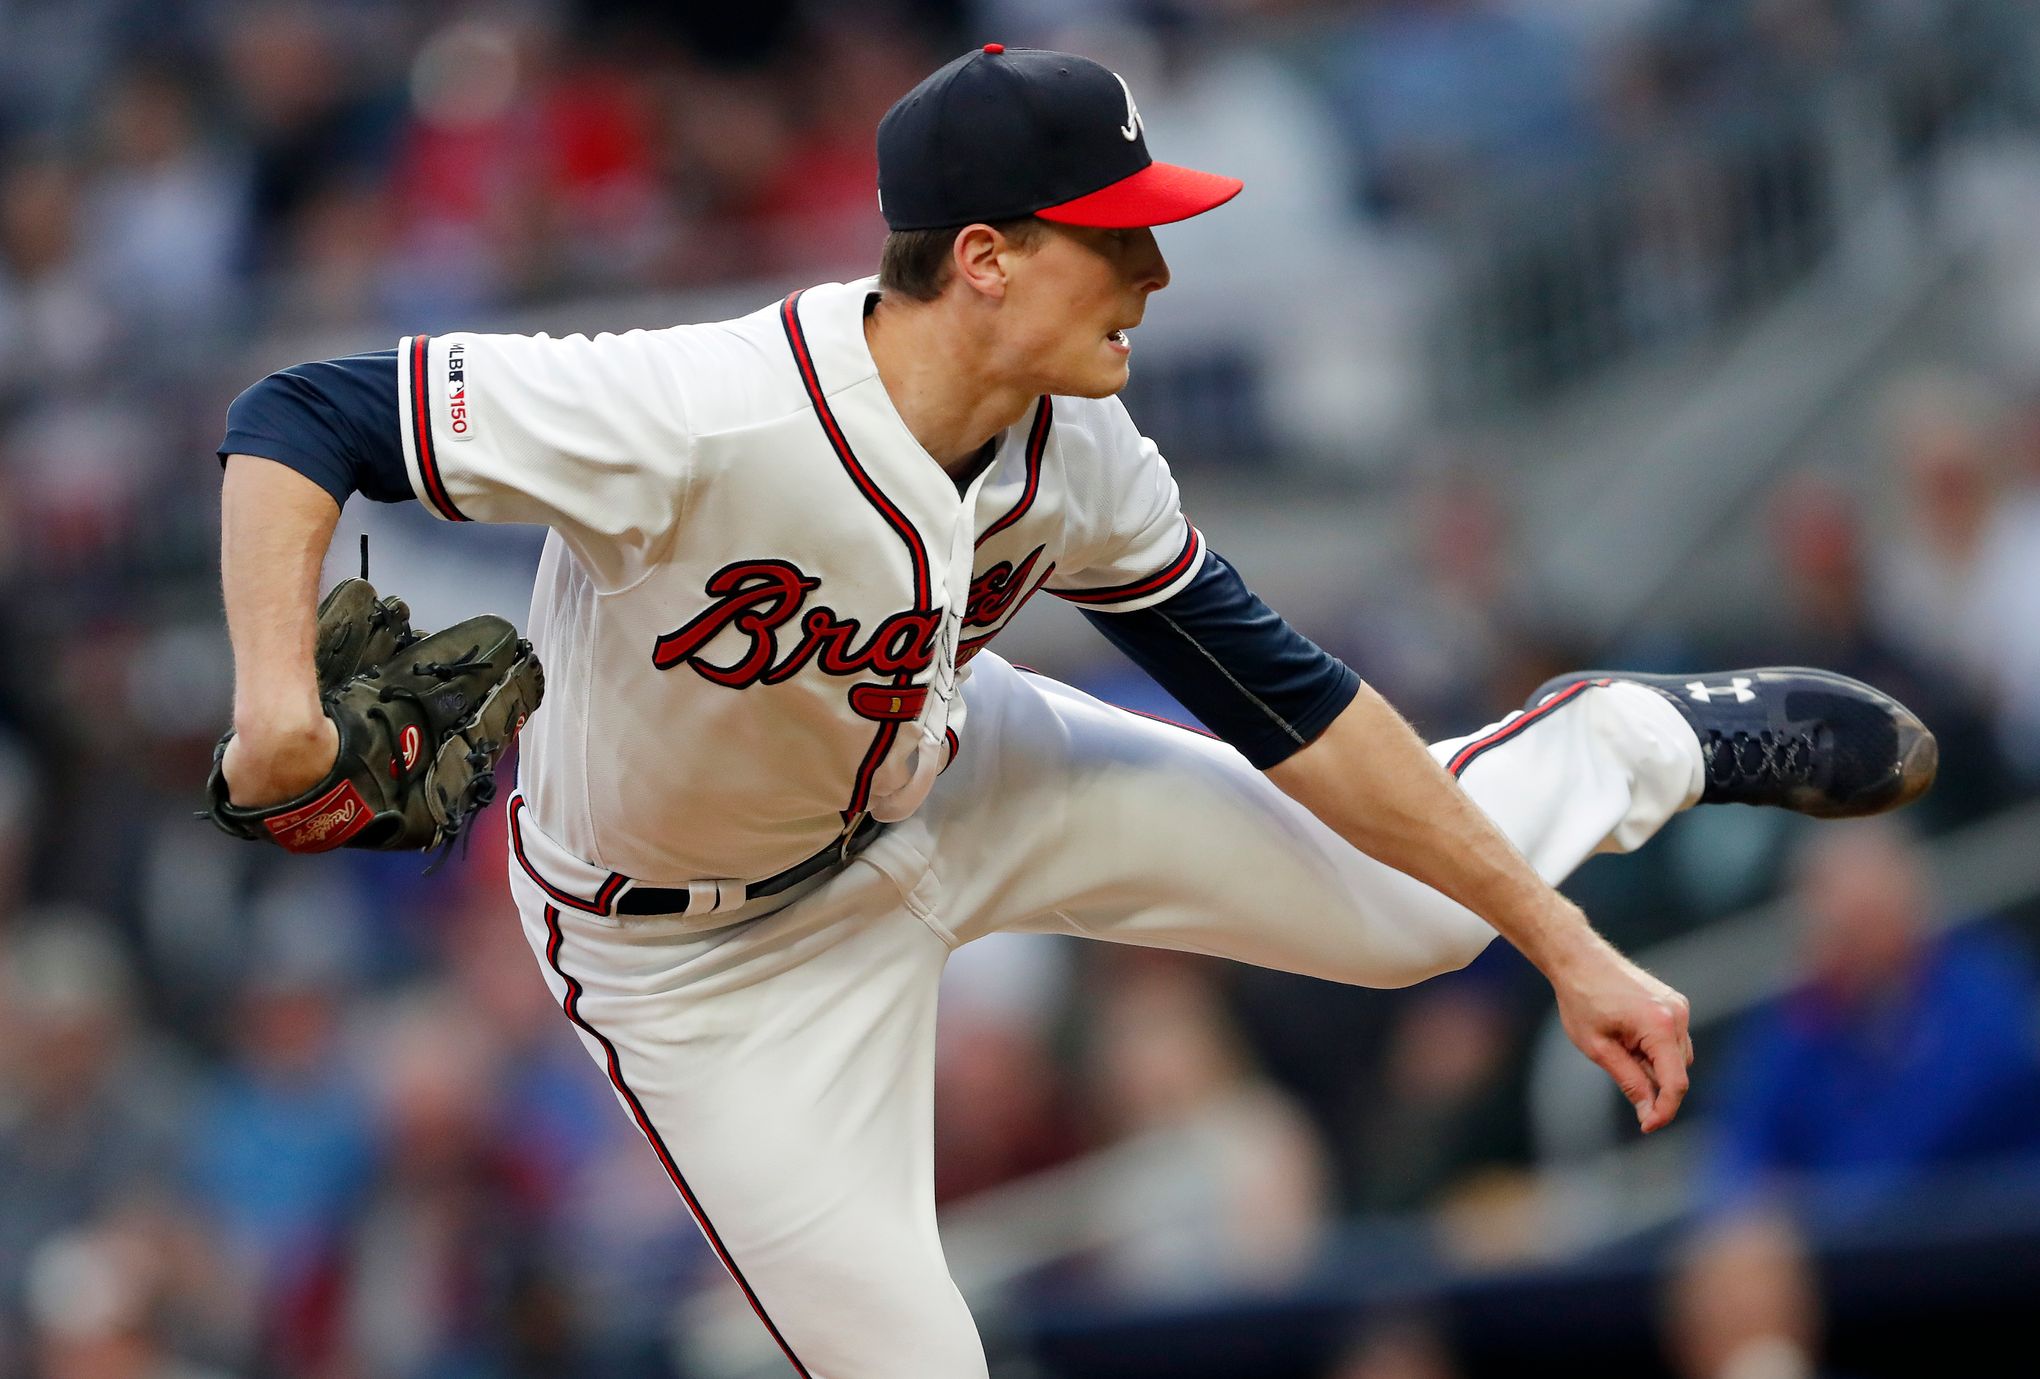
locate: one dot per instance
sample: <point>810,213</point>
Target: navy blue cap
<point>1002,133</point>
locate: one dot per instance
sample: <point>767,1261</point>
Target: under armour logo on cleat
<point>1738,685</point>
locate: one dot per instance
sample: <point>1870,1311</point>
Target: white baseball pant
<point>782,1067</point>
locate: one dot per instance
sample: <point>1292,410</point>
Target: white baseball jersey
<point>760,590</point>
<point>755,611</point>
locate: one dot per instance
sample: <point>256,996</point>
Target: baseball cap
<point>1002,133</point>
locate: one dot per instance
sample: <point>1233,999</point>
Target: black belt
<point>673,900</point>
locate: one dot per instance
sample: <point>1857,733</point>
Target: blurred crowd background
<point>1670,333</point>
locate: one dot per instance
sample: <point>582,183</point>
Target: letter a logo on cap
<point>1133,128</point>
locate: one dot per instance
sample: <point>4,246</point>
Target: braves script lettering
<point>757,599</point>
<point>994,593</point>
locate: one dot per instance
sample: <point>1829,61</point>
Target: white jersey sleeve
<point>1127,544</point>
<point>588,436</point>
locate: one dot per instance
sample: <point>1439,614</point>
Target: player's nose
<point>1150,269</point>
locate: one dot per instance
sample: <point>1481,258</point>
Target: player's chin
<point>1103,379</point>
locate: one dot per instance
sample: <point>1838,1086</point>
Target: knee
<point>1463,945</point>
<point>1446,948</point>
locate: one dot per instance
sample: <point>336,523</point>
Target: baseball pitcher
<point>779,773</point>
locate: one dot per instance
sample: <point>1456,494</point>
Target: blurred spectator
<point>441,1271</point>
<point>55,329</point>
<point>1741,1302</point>
<point>812,212</point>
<point>2006,611</point>
<point>281,1148</point>
<point>339,245</point>
<point>1903,1050</point>
<point>1440,641</point>
<point>1438,94</point>
<point>90,1107</point>
<point>1001,1109</point>
<point>1597,23</point>
<point>777,164</point>
<point>313,96</point>
<point>1405,1346</point>
<point>53,58</point>
<point>1822,553</point>
<point>19,805</point>
<point>1244,1197</point>
<point>79,475</point>
<point>1448,1104</point>
<point>314,107</point>
<point>526,168</point>
<point>167,213</point>
<point>1003,1106</point>
<point>122,1299</point>
<point>1949,448</point>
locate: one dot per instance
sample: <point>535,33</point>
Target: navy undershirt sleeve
<point>1231,659</point>
<point>334,421</point>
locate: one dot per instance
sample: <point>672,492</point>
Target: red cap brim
<point>1158,194</point>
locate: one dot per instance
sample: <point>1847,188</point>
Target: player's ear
<point>979,256</point>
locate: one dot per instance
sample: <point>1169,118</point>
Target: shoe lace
<point>1766,757</point>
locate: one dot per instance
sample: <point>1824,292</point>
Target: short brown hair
<point>915,263</point>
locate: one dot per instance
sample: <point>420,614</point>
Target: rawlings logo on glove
<point>422,719</point>
<point>327,822</point>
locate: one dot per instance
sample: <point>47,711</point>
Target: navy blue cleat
<point>1806,740</point>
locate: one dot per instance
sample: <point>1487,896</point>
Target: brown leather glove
<point>422,721</point>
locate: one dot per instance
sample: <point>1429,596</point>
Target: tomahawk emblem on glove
<point>423,719</point>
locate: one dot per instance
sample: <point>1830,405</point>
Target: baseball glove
<point>357,630</point>
<point>423,719</point>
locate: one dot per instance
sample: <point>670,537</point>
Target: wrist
<point>1562,940</point>
<point>269,761</point>
<point>279,720</point>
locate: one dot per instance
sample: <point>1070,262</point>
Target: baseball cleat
<point>1806,740</point>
